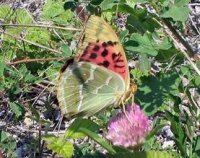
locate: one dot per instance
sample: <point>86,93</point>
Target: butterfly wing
<point>100,45</point>
<point>86,89</point>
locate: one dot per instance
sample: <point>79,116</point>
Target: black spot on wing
<point>104,53</point>
<point>93,56</point>
<point>104,44</point>
<point>105,63</point>
<point>96,48</point>
<point>110,43</point>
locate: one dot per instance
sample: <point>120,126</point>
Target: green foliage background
<point>143,38</point>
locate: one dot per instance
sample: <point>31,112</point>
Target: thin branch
<point>190,51</point>
<point>32,43</point>
<point>20,129</point>
<point>27,60</point>
<point>179,41</point>
<point>45,26</point>
<point>182,48</point>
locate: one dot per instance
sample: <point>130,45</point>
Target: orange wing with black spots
<point>98,77</point>
<point>100,45</point>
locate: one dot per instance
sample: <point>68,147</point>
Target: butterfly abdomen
<point>104,54</point>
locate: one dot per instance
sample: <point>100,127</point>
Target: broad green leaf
<point>59,145</point>
<point>17,109</point>
<point>178,11</point>
<point>147,45</point>
<point>66,50</point>
<point>98,139</point>
<point>107,4</point>
<point>139,21</point>
<point>167,55</point>
<point>55,12</point>
<point>74,129</point>
<point>147,154</point>
<point>153,91</point>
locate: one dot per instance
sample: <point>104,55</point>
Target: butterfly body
<point>99,75</point>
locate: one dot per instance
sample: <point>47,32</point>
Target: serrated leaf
<point>59,145</point>
<point>5,11</point>
<point>39,35</point>
<point>147,154</point>
<point>74,129</point>
<point>56,12</point>
<point>23,17</point>
<point>152,91</point>
<point>98,139</point>
<point>147,45</point>
<point>17,109</point>
<point>177,13</point>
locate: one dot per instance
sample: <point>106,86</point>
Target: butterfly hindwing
<point>86,89</point>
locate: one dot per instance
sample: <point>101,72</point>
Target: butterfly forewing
<point>99,33</point>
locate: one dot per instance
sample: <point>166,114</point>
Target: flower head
<point>130,129</point>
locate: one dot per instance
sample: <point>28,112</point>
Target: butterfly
<point>98,76</point>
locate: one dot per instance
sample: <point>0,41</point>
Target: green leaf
<point>3,136</point>
<point>59,145</point>
<point>144,64</point>
<point>147,154</point>
<point>55,12</point>
<point>70,5</point>
<point>74,129</point>
<point>178,12</point>
<point>23,17</point>
<point>197,81</point>
<point>178,130</point>
<point>66,50</point>
<point>17,109</point>
<point>147,45</point>
<point>39,35</point>
<point>2,66</point>
<point>153,91</point>
<point>139,20</point>
<point>107,4</point>
<point>98,139</point>
<point>5,11</point>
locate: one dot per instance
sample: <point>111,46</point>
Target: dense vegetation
<point>36,40</point>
